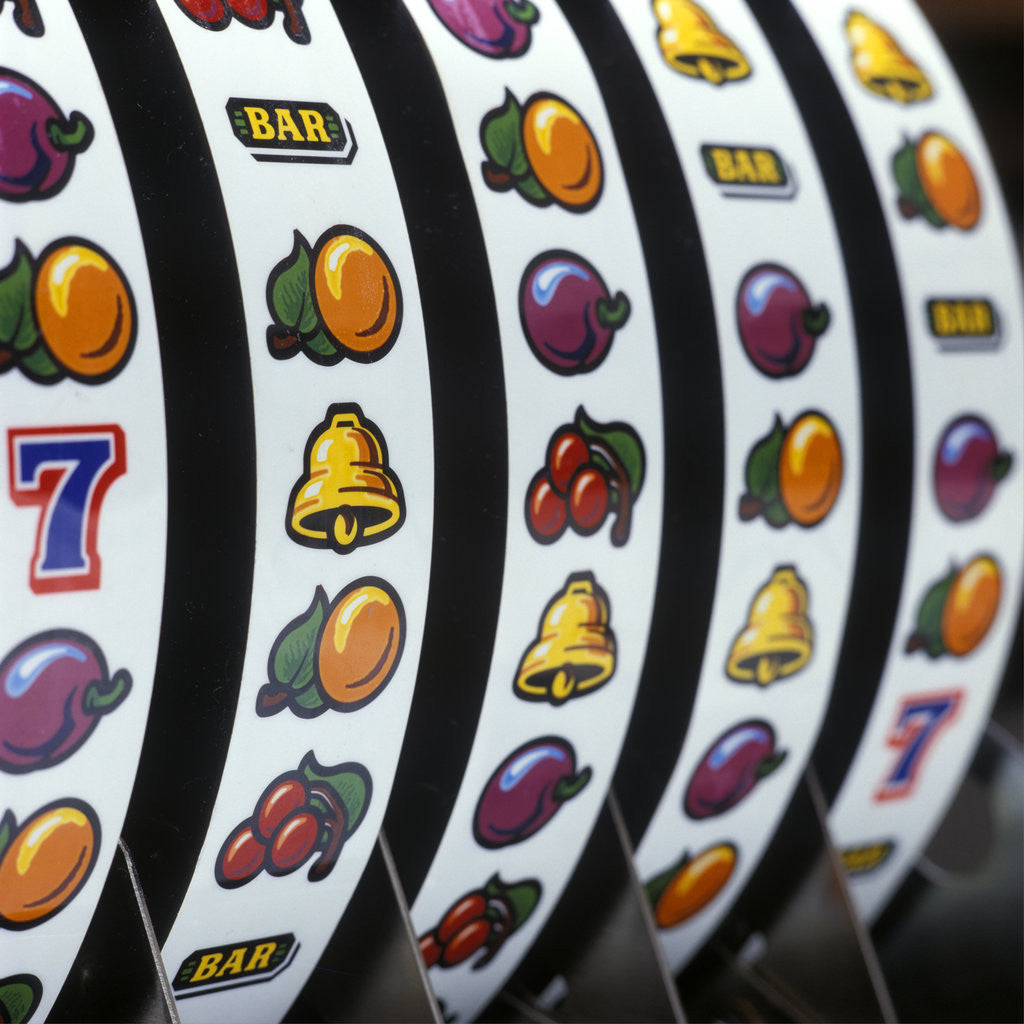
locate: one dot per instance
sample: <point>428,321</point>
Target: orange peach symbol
<point>337,655</point>
<point>45,862</point>
<point>690,885</point>
<point>69,314</point>
<point>339,299</point>
<point>545,150</point>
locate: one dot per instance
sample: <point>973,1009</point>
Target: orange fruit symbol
<point>360,646</point>
<point>46,862</point>
<point>970,605</point>
<point>688,888</point>
<point>810,469</point>
<point>357,294</point>
<point>948,181</point>
<point>84,310</point>
<point>562,152</point>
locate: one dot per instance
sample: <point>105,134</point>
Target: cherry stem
<point>620,481</point>
<point>295,23</point>
<point>335,823</point>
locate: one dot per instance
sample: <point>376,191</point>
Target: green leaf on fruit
<point>927,634</point>
<point>8,826</point>
<point>530,188</point>
<point>502,137</point>
<point>40,366</point>
<point>18,328</point>
<point>913,198</point>
<point>289,290</point>
<point>762,470</point>
<point>521,898</point>
<point>657,885</point>
<point>620,441</point>
<point>349,782</point>
<point>323,348</point>
<point>293,656</point>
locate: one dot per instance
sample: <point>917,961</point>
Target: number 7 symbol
<point>65,471</point>
<point>918,723</point>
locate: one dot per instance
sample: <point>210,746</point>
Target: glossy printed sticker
<point>526,791</point>
<point>592,470</point>
<point>481,919</point>
<point>693,44</point>
<point>880,63</point>
<point>955,613</point>
<point>239,963</point>
<point>26,16</point>
<point>39,143</point>
<point>218,14</point>
<point>573,653</point>
<point>963,324</point>
<point>349,495</point>
<point>919,722</point>
<point>45,861</point>
<point>19,997</point>
<point>569,316</point>
<point>341,298</point>
<point>793,474</point>
<point>748,172</point>
<point>494,28</point>
<point>288,131</point>
<point>778,639</point>
<point>734,764</point>
<point>308,812</point>
<point>65,472</point>
<point>969,464</point>
<point>68,313</point>
<point>545,150</point>
<point>778,323</point>
<point>689,885</point>
<point>337,655</point>
<point>54,688</point>
<point>936,183</point>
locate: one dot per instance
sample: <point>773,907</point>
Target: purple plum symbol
<point>567,313</point>
<point>54,687</point>
<point>526,790</point>
<point>495,28</point>
<point>777,321</point>
<point>735,763</point>
<point>968,465</point>
<point>37,143</point>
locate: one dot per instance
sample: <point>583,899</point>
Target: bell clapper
<point>710,70</point>
<point>563,684</point>
<point>768,668</point>
<point>346,527</point>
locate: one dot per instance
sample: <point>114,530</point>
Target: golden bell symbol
<point>349,495</point>
<point>692,43</point>
<point>778,638</point>
<point>881,65</point>
<point>574,652</point>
